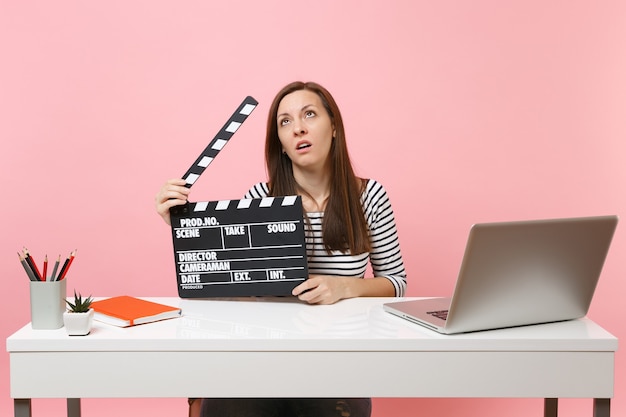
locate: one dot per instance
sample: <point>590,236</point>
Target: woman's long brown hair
<point>344,227</point>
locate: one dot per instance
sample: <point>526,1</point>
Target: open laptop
<point>519,273</point>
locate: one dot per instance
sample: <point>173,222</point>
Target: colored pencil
<point>32,264</point>
<point>45,269</point>
<point>71,259</point>
<point>29,271</point>
<point>54,270</point>
<point>62,271</point>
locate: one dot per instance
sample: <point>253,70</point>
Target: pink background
<point>467,111</point>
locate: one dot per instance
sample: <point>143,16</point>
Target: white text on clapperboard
<point>193,264</point>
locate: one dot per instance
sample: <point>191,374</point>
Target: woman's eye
<point>283,122</point>
<point>309,113</point>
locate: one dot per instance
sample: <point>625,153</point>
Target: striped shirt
<point>385,257</point>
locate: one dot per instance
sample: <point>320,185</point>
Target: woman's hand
<point>327,289</point>
<point>323,289</point>
<point>173,193</point>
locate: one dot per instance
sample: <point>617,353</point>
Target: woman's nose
<point>299,128</point>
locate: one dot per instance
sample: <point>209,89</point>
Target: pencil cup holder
<point>47,304</point>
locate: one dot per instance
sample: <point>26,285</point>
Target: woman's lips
<point>303,145</point>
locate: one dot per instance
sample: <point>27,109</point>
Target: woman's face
<point>304,129</point>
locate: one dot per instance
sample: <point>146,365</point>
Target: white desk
<point>276,347</point>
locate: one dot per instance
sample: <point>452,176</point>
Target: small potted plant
<point>78,318</point>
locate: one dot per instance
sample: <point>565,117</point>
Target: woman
<point>348,222</point>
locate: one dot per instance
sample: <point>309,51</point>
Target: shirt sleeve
<point>385,257</point>
<point>258,190</point>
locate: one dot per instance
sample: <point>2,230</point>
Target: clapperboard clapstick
<point>220,140</point>
<point>231,248</point>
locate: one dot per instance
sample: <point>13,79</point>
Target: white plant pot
<point>78,324</point>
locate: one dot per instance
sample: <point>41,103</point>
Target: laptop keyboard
<point>440,314</point>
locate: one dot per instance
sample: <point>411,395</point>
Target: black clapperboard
<point>235,248</point>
